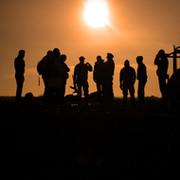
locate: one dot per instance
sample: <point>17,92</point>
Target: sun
<point>96,13</point>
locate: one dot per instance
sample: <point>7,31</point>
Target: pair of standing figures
<point>128,78</point>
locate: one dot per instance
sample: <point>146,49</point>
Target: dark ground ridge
<point>126,142</point>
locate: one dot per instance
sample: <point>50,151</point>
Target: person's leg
<point>104,91</point>
<point>111,90</point>
<point>99,90</point>
<point>19,81</point>
<point>63,92</point>
<point>143,91</point>
<point>86,91</point>
<point>141,86</point>
<point>79,92</point>
<point>131,91</point>
<point>125,94</point>
<point>162,86</point>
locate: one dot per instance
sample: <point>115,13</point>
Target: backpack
<point>40,68</point>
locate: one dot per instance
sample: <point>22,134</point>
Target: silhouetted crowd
<point>54,72</point>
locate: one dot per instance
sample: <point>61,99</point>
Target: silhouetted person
<point>42,70</point>
<point>173,89</point>
<point>109,67</point>
<point>60,68</point>
<point>65,74</point>
<point>19,65</point>
<point>141,77</point>
<point>54,80</point>
<point>127,80</point>
<point>98,75</point>
<point>80,78</point>
<point>162,62</point>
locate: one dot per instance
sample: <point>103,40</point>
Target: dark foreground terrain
<point>126,142</point>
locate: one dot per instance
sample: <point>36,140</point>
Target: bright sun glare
<point>96,13</point>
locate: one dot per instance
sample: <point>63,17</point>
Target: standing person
<point>141,77</point>
<point>54,82</point>
<point>80,78</point>
<point>42,70</point>
<point>162,62</point>
<point>98,76</point>
<point>127,80</point>
<point>19,65</point>
<point>59,77</point>
<point>65,75</point>
<point>109,67</point>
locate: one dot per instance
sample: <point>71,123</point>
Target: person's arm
<point>89,67</point>
<point>66,68</point>
<point>121,80</point>
<point>23,66</point>
<point>145,72</point>
<point>15,65</point>
<point>134,76</point>
<point>156,61</point>
<point>138,73</point>
<point>75,75</point>
<point>113,68</point>
<point>94,73</point>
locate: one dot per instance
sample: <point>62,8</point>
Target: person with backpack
<point>42,66</point>
<point>42,70</point>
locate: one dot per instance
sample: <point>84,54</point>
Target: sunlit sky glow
<point>130,28</point>
<point>96,13</point>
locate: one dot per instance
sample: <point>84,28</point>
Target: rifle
<point>74,87</point>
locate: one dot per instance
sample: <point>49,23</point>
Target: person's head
<point>21,53</point>
<point>126,63</point>
<point>162,53</point>
<point>99,58</point>
<point>139,59</point>
<point>110,56</point>
<point>49,53</point>
<point>81,59</point>
<point>56,52</point>
<point>63,57</point>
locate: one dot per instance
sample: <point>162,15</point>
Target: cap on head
<point>81,58</point>
<point>109,55</point>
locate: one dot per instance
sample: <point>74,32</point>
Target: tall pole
<point>174,59</point>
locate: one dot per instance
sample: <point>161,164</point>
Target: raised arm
<point>89,67</point>
<point>134,76</point>
<point>156,61</point>
<point>75,75</point>
<point>121,79</point>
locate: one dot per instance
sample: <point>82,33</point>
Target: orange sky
<point>138,27</point>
